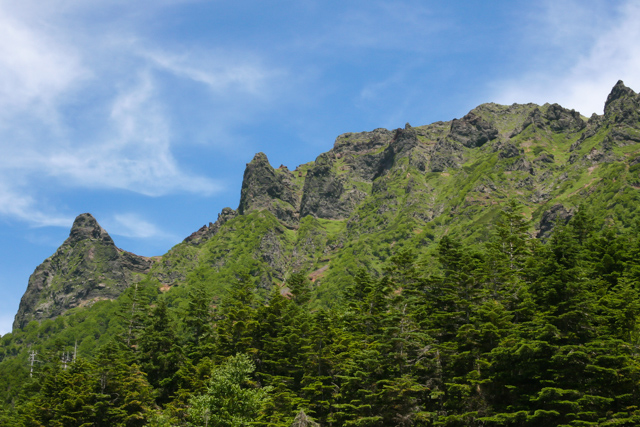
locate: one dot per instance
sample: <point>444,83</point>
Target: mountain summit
<point>87,267</point>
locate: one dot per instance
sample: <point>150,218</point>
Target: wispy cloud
<point>15,203</point>
<point>50,76</point>
<point>134,155</point>
<point>613,53</point>
<point>36,70</point>
<point>217,70</point>
<point>133,225</point>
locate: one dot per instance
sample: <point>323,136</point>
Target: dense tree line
<point>517,332</point>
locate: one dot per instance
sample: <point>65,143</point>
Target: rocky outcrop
<point>622,103</point>
<point>446,154</point>
<point>264,187</point>
<point>554,119</point>
<point>622,115</point>
<point>560,119</point>
<point>207,231</point>
<point>472,131</point>
<point>507,151</point>
<point>363,153</point>
<point>87,267</point>
<point>405,144</point>
<point>327,194</point>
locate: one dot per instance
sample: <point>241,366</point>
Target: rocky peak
<point>264,187</point>
<point>563,120</point>
<point>622,107</point>
<point>405,143</point>
<point>86,268</point>
<point>472,131</point>
<point>85,226</point>
<point>362,143</point>
<point>207,231</point>
<point>619,91</point>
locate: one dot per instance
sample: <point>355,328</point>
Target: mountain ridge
<point>375,192</point>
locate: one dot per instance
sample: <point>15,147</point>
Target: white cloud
<point>613,54</point>
<point>15,203</point>
<point>36,70</point>
<point>218,70</point>
<point>135,156</point>
<point>133,225</point>
<point>51,74</point>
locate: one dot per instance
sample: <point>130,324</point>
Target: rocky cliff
<point>87,267</point>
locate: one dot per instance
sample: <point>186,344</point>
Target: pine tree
<point>300,288</point>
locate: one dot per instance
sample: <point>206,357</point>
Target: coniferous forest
<point>511,332</point>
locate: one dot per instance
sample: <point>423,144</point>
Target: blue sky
<point>145,113</point>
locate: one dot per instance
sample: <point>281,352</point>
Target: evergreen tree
<point>235,319</point>
<point>231,400</point>
<point>198,320</point>
<point>300,288</point>
<point>160,354</point>
<point>124,397</point>
<point>283,339</point>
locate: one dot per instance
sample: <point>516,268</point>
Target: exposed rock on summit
<point>264,187</point>
<point>622,110</point>
<point>472,131</point>
<point>87,267</point>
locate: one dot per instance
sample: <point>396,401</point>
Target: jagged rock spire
<point>618,91</point>
<point>265,188</point>
<point>85,226</point>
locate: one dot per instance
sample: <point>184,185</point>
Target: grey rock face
<point>555,119</point>
<point>327,194</point>
<point>405,144</point>
<point>618,92</point>
<point>87,267</point>
<point>508,150</point>
<point>265,188</point>
<point>446,154</point>
<point>363,152</point>
<point>545,158</point>
<point>622,110</point>
<point>472,131</point>
<point>560,119</point>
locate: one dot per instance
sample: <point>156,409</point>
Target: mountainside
<point>478,272</point>
<point>372,194</point>
<point>88,267</point>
